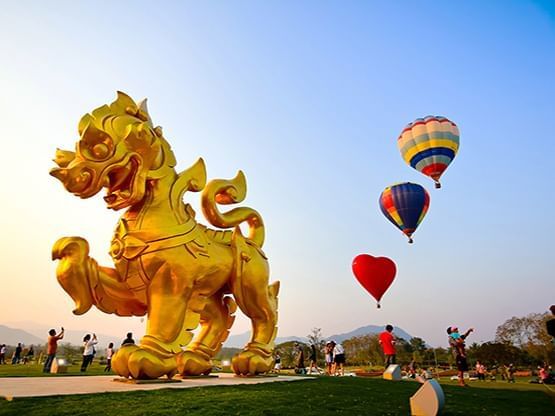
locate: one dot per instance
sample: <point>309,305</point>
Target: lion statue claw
<point>179,273</point>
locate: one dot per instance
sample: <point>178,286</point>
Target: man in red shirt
<point>387,341</point>
<point>51,348</point>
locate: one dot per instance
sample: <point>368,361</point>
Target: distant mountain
<point>369,329</point>
<point>281,340</point>
<point>75,337</point>
<point>11,336</point>
<point>239,340</point>
<point>38,334</point>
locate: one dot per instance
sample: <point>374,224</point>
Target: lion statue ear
<point>142,105</point>
<point>124,104</point>
<point>143,113</point>
<point>85,121</point>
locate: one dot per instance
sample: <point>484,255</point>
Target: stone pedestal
<point>393,372</point>
<point>58,366</point>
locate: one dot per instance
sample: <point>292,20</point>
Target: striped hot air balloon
<point>405,205</point>
<point>429,145</point>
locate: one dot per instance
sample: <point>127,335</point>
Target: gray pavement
<point>11,387</point>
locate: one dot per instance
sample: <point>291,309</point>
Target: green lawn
<point>35,370</point>
<point>324,396</point>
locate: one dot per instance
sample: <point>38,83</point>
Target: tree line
<point>522,341</point>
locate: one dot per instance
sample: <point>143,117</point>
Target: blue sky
<point>308,98</point>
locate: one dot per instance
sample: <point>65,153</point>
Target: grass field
<point>325,396</point>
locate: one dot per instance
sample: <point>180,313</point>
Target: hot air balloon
<point>375,274</point>
<point>429,145</point>
<point>405,205</point>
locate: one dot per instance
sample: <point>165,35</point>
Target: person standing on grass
<point>88,351</point>
<point>109,354</point>
<point>511,373</point>
<point>17,354</point>
<point>51,348</point>
<point>338,359</point>
<point>3,354</point>
<point>456,342</point>
<point>480,371</point>
<point>550,325</point>
<point>29,355</point>
<point>387,341</point>
<point>299,360</point>
<point>277,362</point>
<point>313,360</point>
<point>328,350</point>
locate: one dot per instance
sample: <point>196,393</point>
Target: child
<point>456,342</point>
<point>277,366</point>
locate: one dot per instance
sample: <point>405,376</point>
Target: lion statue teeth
<point>167,266</point>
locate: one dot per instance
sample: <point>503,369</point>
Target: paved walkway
<point>11,387</point>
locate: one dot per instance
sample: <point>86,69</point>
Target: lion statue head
<point>119,149</point>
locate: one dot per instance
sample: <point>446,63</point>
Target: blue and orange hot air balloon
<point>405,205</point>
<point>429,145</point>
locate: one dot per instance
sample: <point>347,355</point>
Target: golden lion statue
<point>167,266</point>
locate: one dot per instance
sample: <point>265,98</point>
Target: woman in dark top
<point>313,360</point>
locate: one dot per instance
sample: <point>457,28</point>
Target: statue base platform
<point>154,381</point>
<point>180,377</point>
<point>257,376</point>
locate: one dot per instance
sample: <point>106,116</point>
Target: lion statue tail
<point>231,191</point>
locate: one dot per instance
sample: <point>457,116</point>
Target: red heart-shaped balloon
<point>375,274</point>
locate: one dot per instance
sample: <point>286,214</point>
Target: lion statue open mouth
<point>178,272</point>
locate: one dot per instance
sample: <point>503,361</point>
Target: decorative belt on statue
<point>130,244</point>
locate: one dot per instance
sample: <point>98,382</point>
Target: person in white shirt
<point>3,354</point>
<point>338,360</point>
<point>109,354</point>
<point>88,351</point>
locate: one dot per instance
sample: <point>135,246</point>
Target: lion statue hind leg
<point>257,300</point>
<point>216,319</point>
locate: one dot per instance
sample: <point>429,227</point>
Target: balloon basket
<point>378,306</point>
<point>438,185</point>
<point>410,240</point>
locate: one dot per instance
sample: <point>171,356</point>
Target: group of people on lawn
<point>89,349</point>
<point>333,351</point>
<point>20,354</point>
<point>334,356</point>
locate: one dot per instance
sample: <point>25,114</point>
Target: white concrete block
<point>58,366</point>
<point>393,372</point>
<point>429,400</point>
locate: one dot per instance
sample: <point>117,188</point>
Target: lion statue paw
<point>251,363</point>
<point>141,364</point>
<point>191,363</point>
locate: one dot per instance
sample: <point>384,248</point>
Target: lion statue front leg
<point>89,284</point>
<point>166,331</point>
